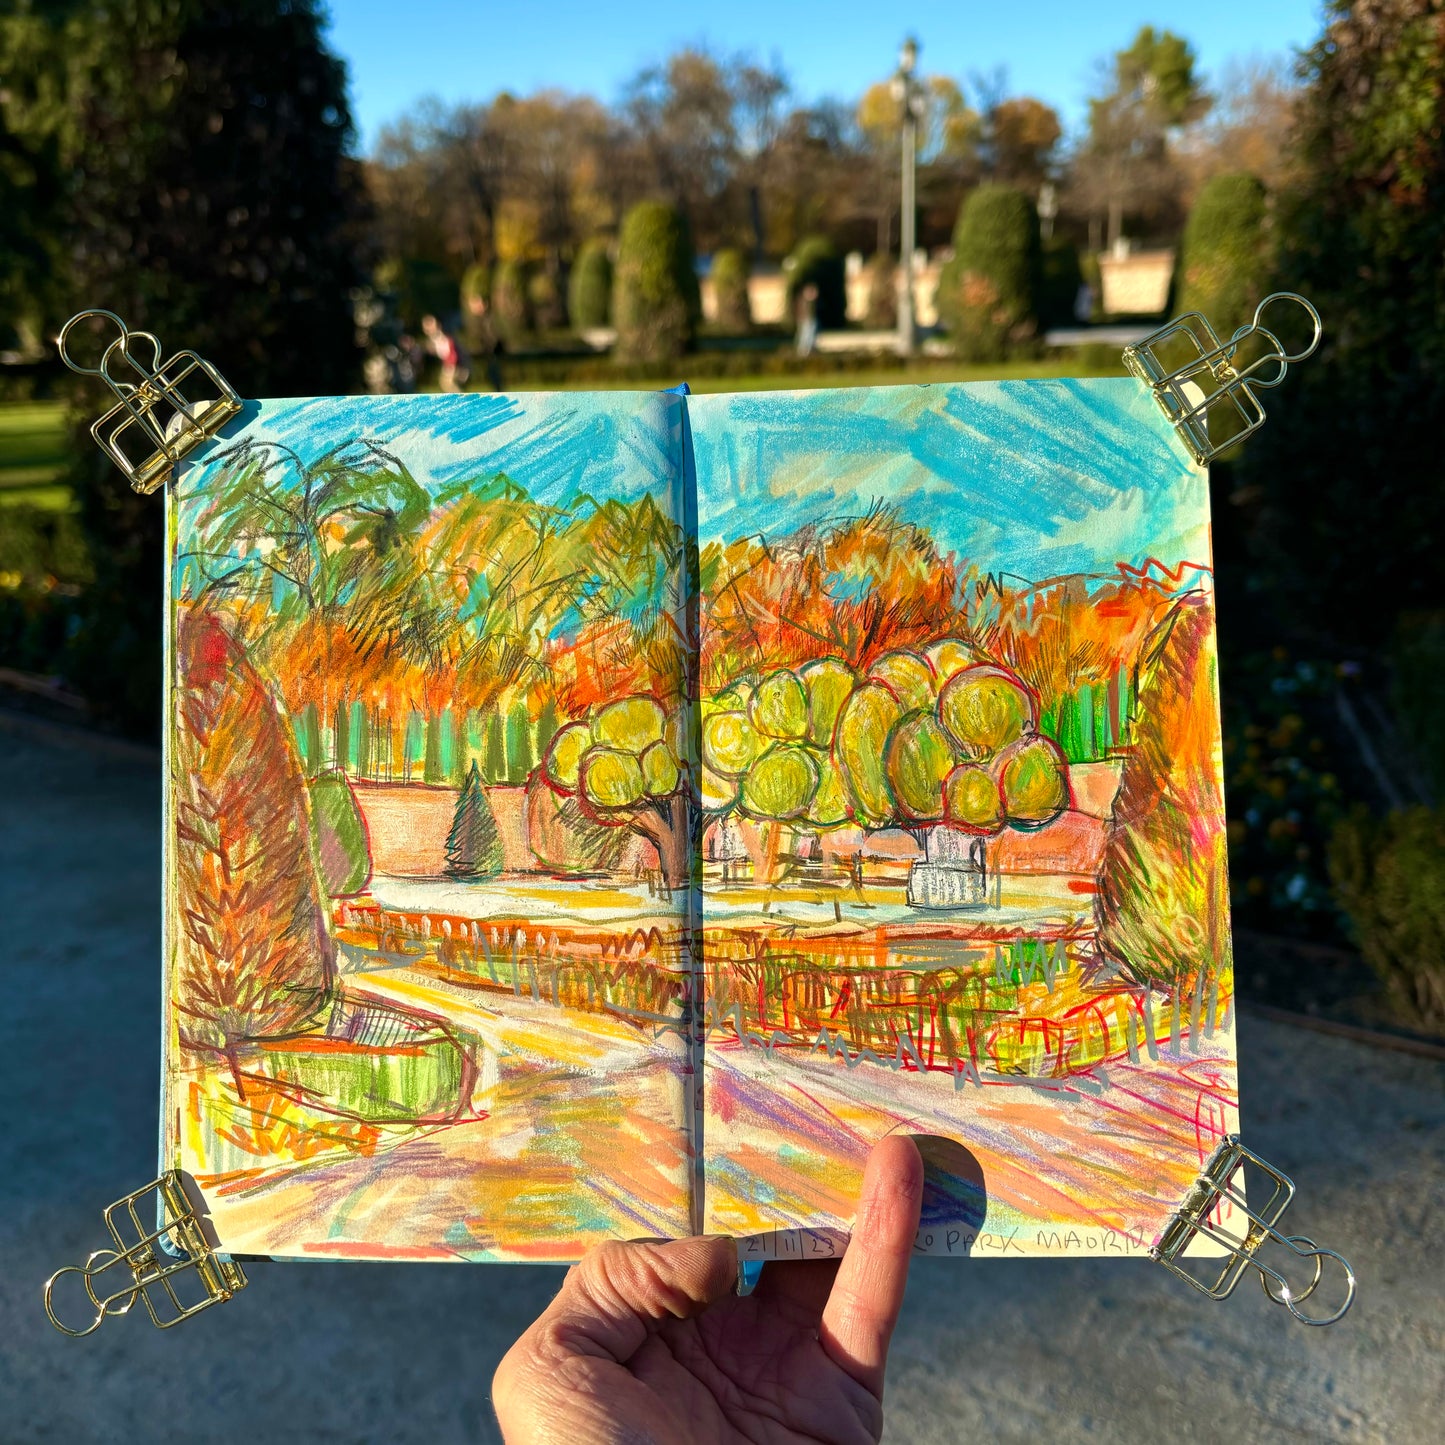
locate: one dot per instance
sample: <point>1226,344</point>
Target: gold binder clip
<point>1210,399</point>
<point>153,423</point>
<point>1215,1194</point>
<point>141,1267</point>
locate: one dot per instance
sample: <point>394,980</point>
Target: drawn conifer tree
<point>474,849</point>
<point>253,958</point>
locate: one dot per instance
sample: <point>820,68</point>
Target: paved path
<point>1003,1351</point>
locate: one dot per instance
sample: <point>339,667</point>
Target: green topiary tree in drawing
<point>946,746</point>
<point>766,747</point>
<point>474,849</point>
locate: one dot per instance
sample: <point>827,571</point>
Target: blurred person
<point>649,1341</point>
<point>807,319</point>
<point>482,334</point>
<point>455,366</point>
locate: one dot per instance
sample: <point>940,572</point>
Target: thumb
<point>607,1301</point>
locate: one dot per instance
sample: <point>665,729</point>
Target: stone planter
<point>953,874</point>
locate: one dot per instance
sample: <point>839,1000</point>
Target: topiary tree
<point>730,289</point>
<point>622,765</point>
<point>655,293</point>
<point>589,288</point>
<point>815,261</point>
<point>946,745</point>
<point>339,839</point>
<point>766,747</point>
<point>1224,257</point>
<point>474,849</point>
<point>988,292</point>
<point>511,300</point>
<point>544,295</point>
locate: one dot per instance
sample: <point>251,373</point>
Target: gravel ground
<point>996,1350</point>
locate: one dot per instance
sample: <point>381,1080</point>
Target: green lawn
<point>32,453</point>
<point>33,435</point>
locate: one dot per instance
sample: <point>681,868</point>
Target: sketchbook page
<point>964,857</point>
<point>427,851</point>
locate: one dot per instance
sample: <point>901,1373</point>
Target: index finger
<point>867,1295</point>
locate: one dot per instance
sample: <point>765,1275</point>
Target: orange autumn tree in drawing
<point>252,956</point>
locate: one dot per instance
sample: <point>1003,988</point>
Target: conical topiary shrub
<point>1225,256</point>
<point>730,289</point>
<point>474,849</point>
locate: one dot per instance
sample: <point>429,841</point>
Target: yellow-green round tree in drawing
<point>945,744</point>
<point>623,765</point>
<point>767,748</point>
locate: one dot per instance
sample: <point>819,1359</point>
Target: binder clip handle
<point>1277,355</point>
<point>1291,1299</point>
<point>119,348</point>
<point>152,1262</point>
<point>119,1303</point>
<point>1218,1190</point>
<point>162,410</point>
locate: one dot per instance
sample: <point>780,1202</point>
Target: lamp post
<point>912,98</point>
<point>1048,208</point>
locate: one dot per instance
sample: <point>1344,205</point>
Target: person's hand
<point>648,1342</point>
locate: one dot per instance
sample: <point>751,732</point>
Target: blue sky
<point>469,49</point>
<point>1035,479</point>
<point>1032,478</point>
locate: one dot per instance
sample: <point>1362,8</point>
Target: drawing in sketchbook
<point>852,756</point>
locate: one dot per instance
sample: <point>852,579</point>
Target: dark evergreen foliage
<point>816,262</point>
<point>473,848</point>
<point>211,201</point>
<point>988,293</point>
<point>1340,493</point>
<point>655,293</point>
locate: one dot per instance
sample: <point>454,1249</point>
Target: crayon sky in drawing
<point>558,445</point>
<point>1037,478</point>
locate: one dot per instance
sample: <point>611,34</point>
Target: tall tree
<point>1126,165</point>
<point>215,204</point>
<point>1363,236</point>
<point>254,959</point>
<point>682,112</point>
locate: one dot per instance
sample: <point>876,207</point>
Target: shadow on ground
<point>1007,1351</point>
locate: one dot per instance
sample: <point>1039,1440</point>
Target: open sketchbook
<point>607,815</point>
